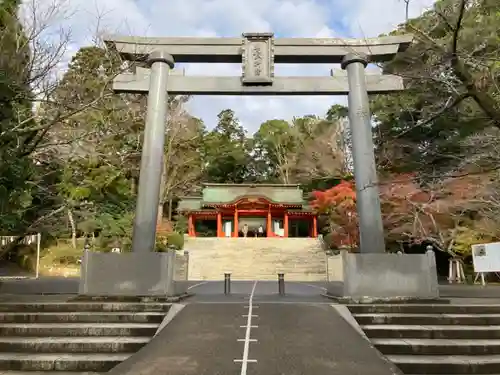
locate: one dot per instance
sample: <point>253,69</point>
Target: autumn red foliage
<point>436,213</point>
<point>339,203</point>
<point>433,213</point>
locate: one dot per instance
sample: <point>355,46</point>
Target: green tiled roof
<point>226,193</point>
<point>189,204</point>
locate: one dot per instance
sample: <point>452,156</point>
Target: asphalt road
<point>254,338</point>
<point>311,339</point>
<point>265,292</point>
<point>201,340</point>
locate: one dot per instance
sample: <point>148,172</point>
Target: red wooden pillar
<point>315,227</point>
<point>285,224</point>
<point>235,234</point>
<point>219,224</point>
<point>191,230</point>
<point>268,224</point>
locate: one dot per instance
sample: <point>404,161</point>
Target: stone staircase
<point>301,259</point>
<point>434,339</point>
<point>73,337</point>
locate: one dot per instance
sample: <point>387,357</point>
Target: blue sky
<point>286,18</point>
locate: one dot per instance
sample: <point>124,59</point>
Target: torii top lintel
<point>284,50</point>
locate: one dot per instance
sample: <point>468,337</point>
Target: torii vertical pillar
<point>365,171</point>
<point>148,198</point>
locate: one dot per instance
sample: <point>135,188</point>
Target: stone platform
<point>385,276</point>
<point>131,274</point>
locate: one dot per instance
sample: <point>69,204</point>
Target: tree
<point>451,75</point>
<point>227,151</point>
<point>339,205</point>
<point>183,163</point>
<point>443,213</point>
<point>309,149</point>
<point>33,110</point>
<point>97,147</point>
<point>24,202</point>
<point>320,151</point>
<point>275,146</point>
<point>337,112</point>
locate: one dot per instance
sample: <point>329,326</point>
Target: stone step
<point>84,307</point>
<point>311,263</point>
<point>423,309</point>
<point>432,331</point>
<point>249,253</point>
<point>290,240</point>
<point>12,372</point>
<point>312,266</point>
<point>248,248</point>
<point>440,319</point>
<point>242,259</point>
<point>437,346</point>
<point>82,317</point>
<point>241,265</point>
<point>60,361</point>
<point>454,364</point>
<point>78,329</point>
<point>301,259</point>
<point>262,264</point>
<point>72,344</point>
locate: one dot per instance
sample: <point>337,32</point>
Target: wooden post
<point>285,224</point>
<point>315,227</point>
<point>268,224</point>
<point>235,234</point>
<point>219,224</point>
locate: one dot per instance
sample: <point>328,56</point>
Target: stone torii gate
<point>370,273</point>
<point>258,53</point>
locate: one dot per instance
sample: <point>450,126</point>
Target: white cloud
<point>369,18</point>
<point>291,18</point>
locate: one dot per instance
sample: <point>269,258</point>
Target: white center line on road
<point>244,361</point>
<point>199,284</point>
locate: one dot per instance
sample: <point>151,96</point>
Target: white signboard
<point>486,257</point>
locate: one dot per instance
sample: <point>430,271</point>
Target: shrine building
<point>228,210</point>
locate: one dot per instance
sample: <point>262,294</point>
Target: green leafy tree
<point>275,148</point>
<point>19,133</point>
<point>98,147</point>
<point>307,150</point>
<point>227,151</point>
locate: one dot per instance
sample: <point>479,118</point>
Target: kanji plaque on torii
<point>258,59</point>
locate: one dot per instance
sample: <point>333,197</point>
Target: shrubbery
<point>174,239</point>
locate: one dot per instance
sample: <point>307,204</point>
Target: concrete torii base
<point>375,277</point>
<point>145,274</point>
